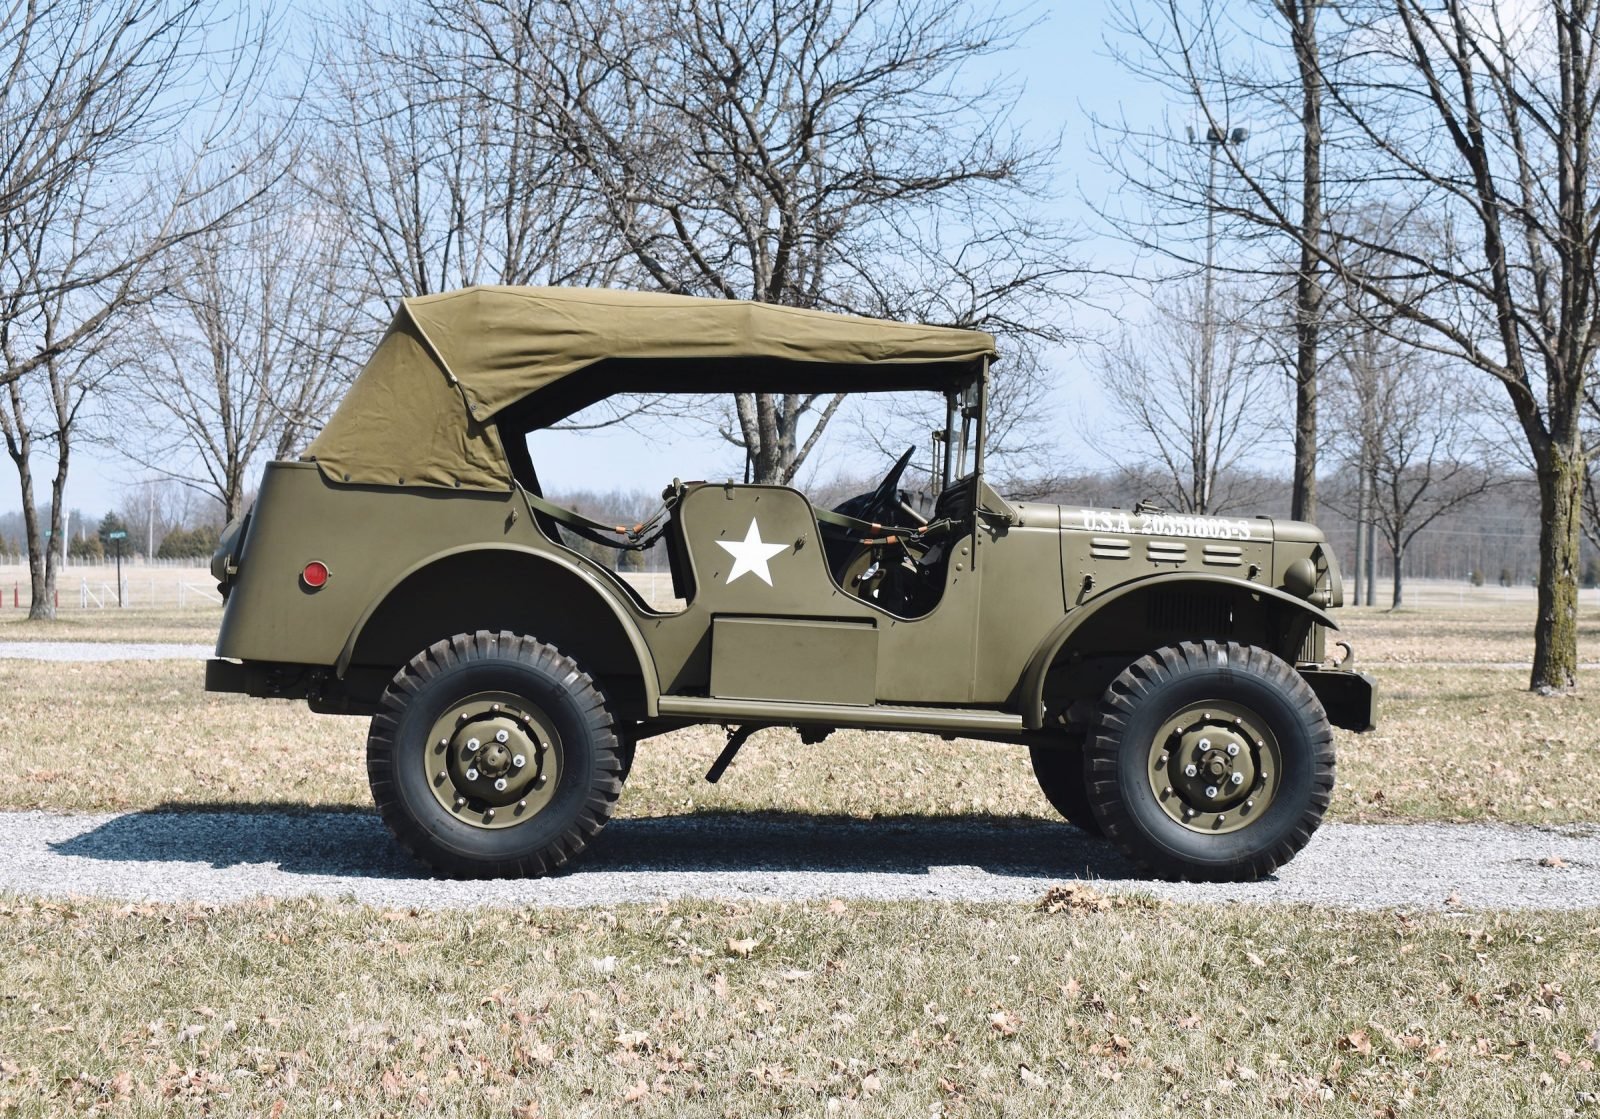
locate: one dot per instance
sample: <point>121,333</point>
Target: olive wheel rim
<point>1215,766</point>
<point>471,763</point>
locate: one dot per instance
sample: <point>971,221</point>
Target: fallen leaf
<point>1005,1022</point>
<point>1357,1041</point>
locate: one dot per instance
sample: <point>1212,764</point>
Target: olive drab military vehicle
<point>1170,675</point>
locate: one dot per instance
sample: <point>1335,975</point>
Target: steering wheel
<point>883,505</point>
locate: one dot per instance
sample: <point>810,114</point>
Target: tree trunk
<point>1308,282</point>
<point>1399,555</point>
<point>1372,540</point>
<point>1555,638</point>
<point>1361,524</point>
<point>41,603</point>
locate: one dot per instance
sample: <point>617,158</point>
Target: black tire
<point>1064,781</point>
<point>1129,731</point>
<point>572,713</point>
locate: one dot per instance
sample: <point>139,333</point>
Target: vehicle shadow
<point>356,844</point>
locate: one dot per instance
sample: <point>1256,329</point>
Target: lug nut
<point>1205,744</point>
<point>500,784</point>
<point>1237,779</point>
<point>1211,791</point>
<point>1233,749</point>
<point>1190,770</point>
<point>519,761</point>
<point>501,735</point>
<point>472,775</point>
<point>472,745</point>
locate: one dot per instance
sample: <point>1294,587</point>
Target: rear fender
<point>546,596</point>
<point>1031,688</point>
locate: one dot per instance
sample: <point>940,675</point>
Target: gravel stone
<point>222,856</point>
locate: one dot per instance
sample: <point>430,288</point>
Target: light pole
<point>1215,140</point>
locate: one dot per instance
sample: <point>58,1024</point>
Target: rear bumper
<point>266,681</point>
<point>1350,698</point>
<point>357,693</point>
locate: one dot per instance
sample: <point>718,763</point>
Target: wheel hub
<point>1213,767</point>
<point>494,760</point>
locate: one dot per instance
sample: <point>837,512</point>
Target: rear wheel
<point>494,756</point>
<point>1210,761</point>
<point>1060,772</point>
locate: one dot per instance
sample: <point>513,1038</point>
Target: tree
<point>1188,50</point>
<point>115,120</point>
<point>1187,386</point>
<point>1413,444</point>
<point>435,184</point>
<point>1484,126</point>
<point>246,351</point>
<point>808,153</point>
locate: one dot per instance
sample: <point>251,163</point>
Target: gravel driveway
<point>101,651</point>
<point>217,856</point>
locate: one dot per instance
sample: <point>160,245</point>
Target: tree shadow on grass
<point>357,845</point>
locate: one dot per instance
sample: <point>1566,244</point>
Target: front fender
<point>630,629</point>
<point>1031,689</point>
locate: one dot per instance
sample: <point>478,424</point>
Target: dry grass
<point>1099,1007</point>
<point>192,626</point>
<point>1495,633</point>
<point>1455,744</point>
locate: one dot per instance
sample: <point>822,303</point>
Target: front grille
<point>1184,612</point>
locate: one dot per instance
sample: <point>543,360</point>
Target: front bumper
<point>1350,698</point>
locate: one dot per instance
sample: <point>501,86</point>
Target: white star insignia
<point>751,555</point>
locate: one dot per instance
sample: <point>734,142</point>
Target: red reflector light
<point>315,574</point>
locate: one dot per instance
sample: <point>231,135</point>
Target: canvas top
<point>422,411</point>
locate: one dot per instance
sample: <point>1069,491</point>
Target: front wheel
<point>1210,761</point>
<point>494,756</point>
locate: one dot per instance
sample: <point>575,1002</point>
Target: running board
<point>934,719</point>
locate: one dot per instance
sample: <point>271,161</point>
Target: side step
<point>777,713</point>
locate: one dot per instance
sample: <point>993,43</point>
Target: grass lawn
<point>1455,744</point>
<point>1084,1006</point>
<point>195,625</point>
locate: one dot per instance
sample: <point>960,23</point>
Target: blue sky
<point>1067,76</point>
